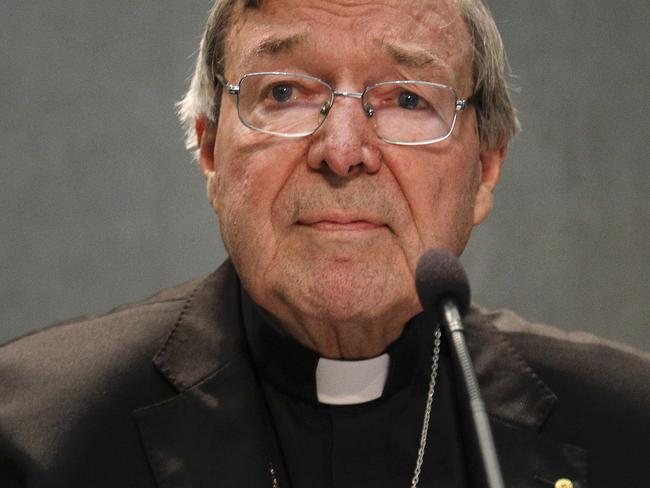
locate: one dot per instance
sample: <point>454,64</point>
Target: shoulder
<point>113,349</point>
<point>600,390</point>
<point>580,353</point>
<point>590,375</point>
<point>84,375</point>
<point>68,392</point>
<point>86,343</point>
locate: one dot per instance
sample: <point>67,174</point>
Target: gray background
<point>101,204</point>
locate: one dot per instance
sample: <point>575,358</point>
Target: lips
<point>341,223</point>
<point>356,225</point>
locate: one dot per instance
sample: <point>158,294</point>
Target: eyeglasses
<point>408,113</point>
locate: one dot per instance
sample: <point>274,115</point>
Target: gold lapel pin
<point>563,483</point>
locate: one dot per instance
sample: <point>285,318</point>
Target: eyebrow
<point>276,45</point>
<point>413,57</point>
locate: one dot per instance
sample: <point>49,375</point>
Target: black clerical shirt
<point>373,444</point>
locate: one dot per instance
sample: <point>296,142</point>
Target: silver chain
<point>425,421</point>
<point>427,409</point>
<point>276,484</point>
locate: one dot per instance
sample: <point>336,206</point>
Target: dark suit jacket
<point>82,404</point>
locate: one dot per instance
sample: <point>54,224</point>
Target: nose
<point>345,143</point>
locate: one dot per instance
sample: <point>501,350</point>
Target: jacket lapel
<point>519,403</point>
<point>210,435</point>
<point>214,431</point>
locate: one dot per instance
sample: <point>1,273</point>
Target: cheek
<point>439,185</point>
<point>250,174</point>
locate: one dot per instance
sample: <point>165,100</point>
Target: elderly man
<point>339,141</point>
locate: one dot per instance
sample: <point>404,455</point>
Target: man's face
<point>325,231</point>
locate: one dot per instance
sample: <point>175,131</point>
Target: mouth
<point>341,223</point>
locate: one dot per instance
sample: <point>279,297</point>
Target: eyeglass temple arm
<point>473,99</point>
<point>232,89</point>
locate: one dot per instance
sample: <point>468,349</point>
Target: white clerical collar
<point>351,382</point>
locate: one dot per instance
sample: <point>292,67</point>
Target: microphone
<point>443,288</point>
<point>439,276</point>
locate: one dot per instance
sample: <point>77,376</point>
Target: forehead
<point>417,34</point>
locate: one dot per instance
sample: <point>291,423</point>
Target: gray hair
<point>497,117</point>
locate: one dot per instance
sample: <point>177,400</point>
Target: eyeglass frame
<point>460,104</point>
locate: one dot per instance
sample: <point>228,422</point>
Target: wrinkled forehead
<point>418,34</point>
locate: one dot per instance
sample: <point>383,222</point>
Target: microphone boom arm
<point>453,322</point>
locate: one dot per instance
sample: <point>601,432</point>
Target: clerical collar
<point>300,372</point>
<point>351,382</point>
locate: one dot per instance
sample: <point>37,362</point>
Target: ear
<point>206,134</point>
<point>491,163</point>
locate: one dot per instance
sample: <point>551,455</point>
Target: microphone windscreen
<point>439,276</point>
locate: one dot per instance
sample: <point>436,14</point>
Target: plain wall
<point>101,204</point>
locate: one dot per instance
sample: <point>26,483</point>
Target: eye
<point>409,100</point>
<point>282,93</point>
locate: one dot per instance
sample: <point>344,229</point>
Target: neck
<point>342,338</point>
<point>337,332</point>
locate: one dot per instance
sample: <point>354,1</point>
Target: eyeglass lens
<point>293,106</point>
